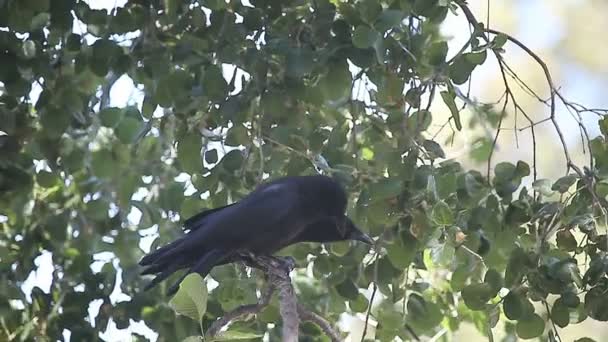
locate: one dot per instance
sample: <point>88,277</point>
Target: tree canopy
<point>230,93</point>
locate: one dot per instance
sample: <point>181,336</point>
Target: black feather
<point>276,214</point>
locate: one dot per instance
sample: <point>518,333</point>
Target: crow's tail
<point>171,258</point>
<point>161,254</point>
<point>202,266</point>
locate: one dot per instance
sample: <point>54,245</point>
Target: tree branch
<point>277,271</point>
<point>321,322</point>
<point>243,310</point>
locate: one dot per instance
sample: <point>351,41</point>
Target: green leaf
<point>433,149</point>
<point>365,37</point>
<point>46,179</point>
<point>448,98</point>
<point>191,298</point>
<point>148,107</point>
<point>401,252</point>
<point>494,279</point>
<point>359,304</point>
<point>603,123</point>
<point>423,315</point>
<point>476,58</point>
<point>97,209</point>
<point>530,326</point>
<point>237,135</point>
<point>516,268</point>
<point>347,289</point>
<point>110,116</point>
<point>367,153</point>
<point>566,241</point>
<point>214,84</point>
<point>369,10</point>
<point>389,316</point>
<point>128,130</point>
<point>340,248</point>
<point>385,188</point>
<point>215,5</point>
<point>460,70</point>
<point>560,314</point>
<point>232,160</point>
<point>388,19</point>
<point>419,121</point>
<point>472,184</point>
<point>390,91</point>
<point>476,296</point>
<point>499,41</point>
<point>563,184</point>
<point>459,277</point>
<point>442,255</point>
<point>234,335</point>
<point>437,54</point>
<point>442,214</point>
<point>596,303</point>
<point>102,162</point>
<point>513,306</point>
<point>508,177</point>
<point>568,271</point>
<point>570,299</point>
<point>189,153</point>
<point>336,84</point>
<point>300,62</point>
<point>522,169</point>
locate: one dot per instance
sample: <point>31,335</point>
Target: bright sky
<point>579,85</point>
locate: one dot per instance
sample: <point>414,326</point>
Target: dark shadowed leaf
<point>365,37</point>
<point>530,326</point>
<point>111,116</point>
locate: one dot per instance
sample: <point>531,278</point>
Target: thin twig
<point>369,310</point>
<point>321,322</point>
<point>241,311</point>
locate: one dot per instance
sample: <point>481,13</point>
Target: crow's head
<point>332,229</point>
<point>351,232</point>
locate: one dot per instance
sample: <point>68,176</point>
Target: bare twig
<point>371,299</point>
<point>321,322</point>
<point>369,310</point>
<point>241,311</point>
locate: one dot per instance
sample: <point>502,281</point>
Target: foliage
<point>234,93</point>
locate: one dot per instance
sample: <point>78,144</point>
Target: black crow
<point>273,216</point>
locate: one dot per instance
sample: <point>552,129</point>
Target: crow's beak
<point>364,238</point>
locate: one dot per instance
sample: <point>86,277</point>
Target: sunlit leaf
<point>191,298</point>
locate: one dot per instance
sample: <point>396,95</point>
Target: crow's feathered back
<point>273,216</point>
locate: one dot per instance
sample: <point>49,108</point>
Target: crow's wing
<point>197,221</point>
<point>271,212</point>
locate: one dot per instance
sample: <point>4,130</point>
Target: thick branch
<point>289,310</point>
<point>277,270</point>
